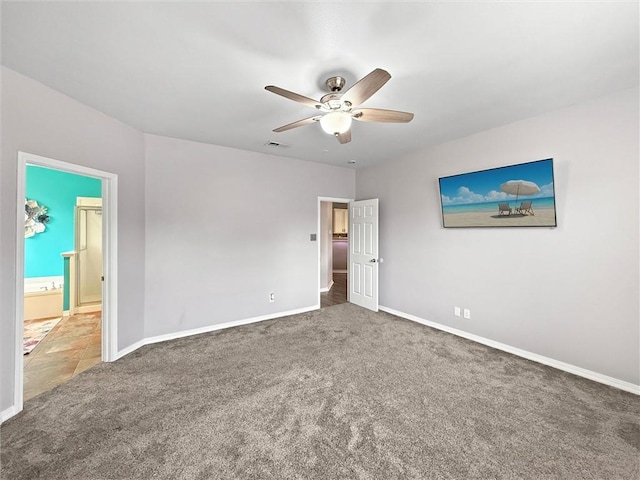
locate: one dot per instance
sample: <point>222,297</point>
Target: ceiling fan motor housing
<point>335,84</point>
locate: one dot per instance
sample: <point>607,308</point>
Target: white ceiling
<point>197,71</point>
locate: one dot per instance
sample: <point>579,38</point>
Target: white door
<point>363,253</point>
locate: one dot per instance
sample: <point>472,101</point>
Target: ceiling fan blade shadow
<point>366,87</point>
<point>381,115</point>
<point>293,96</point>
<point>344,137</point>
<point>299,123</point>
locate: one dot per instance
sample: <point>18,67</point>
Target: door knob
<point>373,260</point>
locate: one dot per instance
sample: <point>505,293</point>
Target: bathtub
<point>43,297</point>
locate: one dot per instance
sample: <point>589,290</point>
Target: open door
<point>363,253</point>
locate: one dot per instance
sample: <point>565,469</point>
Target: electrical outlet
<point>467,314</point>
<point>456,311</point>
<point>272,297</point>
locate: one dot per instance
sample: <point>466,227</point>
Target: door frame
<point>332,200</point>
<point>109,259</point>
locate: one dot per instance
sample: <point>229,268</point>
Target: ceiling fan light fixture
<point>337,108</point>
<point>335,123</point>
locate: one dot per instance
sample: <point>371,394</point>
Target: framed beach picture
<point>514,196</point>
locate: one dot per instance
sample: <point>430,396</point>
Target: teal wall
<point>57,191</point>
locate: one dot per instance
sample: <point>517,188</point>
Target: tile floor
<point>72,346</point>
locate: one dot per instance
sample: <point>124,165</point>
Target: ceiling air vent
<point>273,144</point>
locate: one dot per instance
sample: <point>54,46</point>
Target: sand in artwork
<point>543,217</point>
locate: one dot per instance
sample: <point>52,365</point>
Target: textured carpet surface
<point>340,393</point>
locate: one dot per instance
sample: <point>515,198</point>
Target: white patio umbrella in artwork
<point>519,187</point>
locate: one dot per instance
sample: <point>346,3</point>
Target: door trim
<point>332,200</point>
<point>109,260</point>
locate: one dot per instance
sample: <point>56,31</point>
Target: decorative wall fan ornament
<point>339,109</point>
<point>35,218</point>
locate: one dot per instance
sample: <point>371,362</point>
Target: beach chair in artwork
<point>504,209</point>
<point>525,208</point>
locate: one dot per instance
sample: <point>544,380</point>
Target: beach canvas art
<point>513,196</point>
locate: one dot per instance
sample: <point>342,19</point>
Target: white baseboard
<point>327,289</point>
<point>8,413</point>
<point>130,349</point>
<point>567,367</point>
<point>210,328</point>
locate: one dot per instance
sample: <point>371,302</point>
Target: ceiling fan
<point>338,109</point>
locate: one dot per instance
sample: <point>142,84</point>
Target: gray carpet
<point>340,393</point>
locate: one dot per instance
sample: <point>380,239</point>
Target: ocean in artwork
<point>492,207</point>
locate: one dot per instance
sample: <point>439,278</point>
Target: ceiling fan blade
<point>344,137</point>
<point>380,115</point>
<point>299,123</point>
<point>293,96</point>
<point>366,87</point>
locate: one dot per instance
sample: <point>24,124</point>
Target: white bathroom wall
<point>41,121</point>
<point>225,228</point>
<point>570,293</point>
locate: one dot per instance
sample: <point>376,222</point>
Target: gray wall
<point>38,120</point>
<point>569,293</point>
<point>225,228</point>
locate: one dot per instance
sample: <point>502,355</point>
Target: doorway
<point>62,305</point>
<point>333,277</point>
<point>99,329</point>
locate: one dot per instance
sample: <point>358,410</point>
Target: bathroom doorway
<point>82,237</point>
<point>63,270</point>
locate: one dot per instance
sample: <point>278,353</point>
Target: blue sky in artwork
<point>484,186</point>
